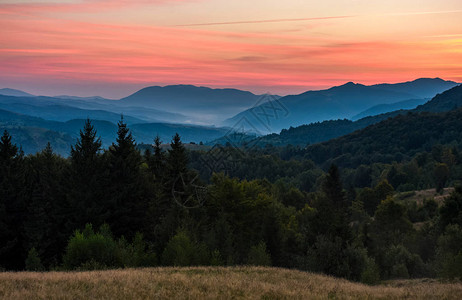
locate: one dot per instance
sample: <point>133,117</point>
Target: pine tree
<point>86,180</point>
<point>332,187</point>
<point>158,160</point>
<point>7,149</point>
<point>127,194</point>
<point>12,208</point>
<point>177,159</point>
<point>87,147</point>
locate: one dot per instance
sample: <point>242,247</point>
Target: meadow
<point>212,283</point>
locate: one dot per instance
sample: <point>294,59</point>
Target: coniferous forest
<point>319,208</point>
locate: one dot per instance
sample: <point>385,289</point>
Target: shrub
<point>88,246</point>
<point>398,262</point>
<point>216,259</point>
<point>449,253</point>
<point>258,256</point>
<point>371,273</point>
<point>88,250</point>
<point>33,262</point>
<point>182,251</point>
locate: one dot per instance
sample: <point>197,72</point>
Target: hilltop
<point>211,283</point>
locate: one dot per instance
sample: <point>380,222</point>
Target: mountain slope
<point>395,139</point>
<point>385,108</point>
<point>13,92</point>
<point>335,103</point>
<point>60,109</point>
<point>33,133</point>
<point>446,101</point>
<point>205,104</point>
<point>422,87</point>
<point>324,131</point>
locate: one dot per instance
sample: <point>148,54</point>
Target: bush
<point>449,253</point>
<point>371,273</point>
<point>398,262</point>
<point>182,251</point>
<point>258,256</point>
<point>33,262</point>
<point>216,259</point>
<point>138,255</point>
<point>88,250</point>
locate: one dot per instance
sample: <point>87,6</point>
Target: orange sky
<point>113,47</point>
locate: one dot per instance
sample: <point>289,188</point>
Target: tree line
<point>118,207</point>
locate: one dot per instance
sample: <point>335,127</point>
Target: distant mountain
<point>422,87</point>
<point>339,102</point>
<point>32,133</point>
<point>13,92</point>
<point>57,112</point>
<point>59,109</point>
<point>385,108</point>
<point>202,103</point>
<point>323,131</point>
<point>94,98</point>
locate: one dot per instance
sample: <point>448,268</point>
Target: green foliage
<point>182,251</point>
<point>89,247</point>
<point>398,262</point>
<point>98,250</point>
<point>371,273</point>
<point>372,197</point>
<point>216,259</point>
<point>33,262</point>
<point>391,224</point>
<point>331,256</point>
<point>451,211</point>
<point>279,198</point>
<point>449,253</point>
<point>258,256</point>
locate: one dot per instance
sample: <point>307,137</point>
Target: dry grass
<point>420,196</point>
<point>211,283</point>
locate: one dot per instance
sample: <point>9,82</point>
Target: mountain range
<point>38,119</point>
<point>345,101</point>
<point>323,131</point>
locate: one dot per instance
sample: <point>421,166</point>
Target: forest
<point>336,208</point>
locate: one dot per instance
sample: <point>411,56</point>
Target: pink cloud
<point>72,52</point>
<point>26,8</point>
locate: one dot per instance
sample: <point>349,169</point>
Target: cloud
<point>264,21</point>
<point>30,7</point>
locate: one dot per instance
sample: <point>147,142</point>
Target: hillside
<point>33,133</point>
<point>14,92</point>
<point>65,109</point>
<point>339,102</point>
<point>203,103</point>
<point>326,130</point>
<point>385,108</point>
<point>395,139</point>
<point>211,283</point>
<point>422,87</point>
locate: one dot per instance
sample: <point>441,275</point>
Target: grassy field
<point>209,283</point>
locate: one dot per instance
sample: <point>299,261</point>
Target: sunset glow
<point>113,47</point>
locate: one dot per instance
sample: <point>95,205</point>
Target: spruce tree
<point>86,180</point>
<point>127,194</point>
<point>177,159</point>
<point>44,223</point>
<point>158,160</point>
<point>12,253</point>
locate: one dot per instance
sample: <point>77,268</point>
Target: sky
<point>112,48</point>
